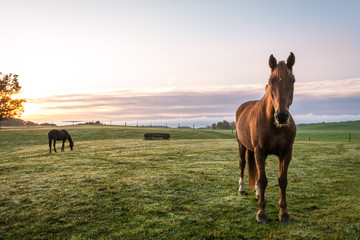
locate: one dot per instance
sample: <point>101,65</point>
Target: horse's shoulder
<point>243,108</point>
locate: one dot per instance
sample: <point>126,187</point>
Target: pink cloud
<point>332,97</point>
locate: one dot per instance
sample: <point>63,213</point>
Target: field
<point>115,185</point>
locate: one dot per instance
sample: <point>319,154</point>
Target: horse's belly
<point>244,134</point>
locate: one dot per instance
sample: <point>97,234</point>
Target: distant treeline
<point>91,123</point>
<point>224,125</point>
<point>22,123</point>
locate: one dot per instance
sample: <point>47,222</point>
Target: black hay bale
<point>152,136</point>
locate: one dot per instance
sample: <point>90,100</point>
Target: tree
<point>10,108</point>
<point>224,125</point>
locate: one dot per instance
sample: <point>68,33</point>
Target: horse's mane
<point>281,70</point>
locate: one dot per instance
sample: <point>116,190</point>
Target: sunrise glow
<point>120,62</point>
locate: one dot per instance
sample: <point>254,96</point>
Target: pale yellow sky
<point>95,47</point>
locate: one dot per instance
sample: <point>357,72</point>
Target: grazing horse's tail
<point>252,171</point>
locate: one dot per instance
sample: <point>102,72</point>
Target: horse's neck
<point>69,138</point>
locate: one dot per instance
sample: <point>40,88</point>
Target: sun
<point>31,111</point>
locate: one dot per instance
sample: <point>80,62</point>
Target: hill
<point>38,135</point>
<point>337,131</point>
<point>338,126</point>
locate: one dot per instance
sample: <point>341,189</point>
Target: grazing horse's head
<point>71,145</point>
<point>281,87</point>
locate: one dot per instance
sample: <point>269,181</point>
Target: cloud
<point>328,88</point>
<point>320,101</point>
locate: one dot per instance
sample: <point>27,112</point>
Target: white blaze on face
<point>241,185</point>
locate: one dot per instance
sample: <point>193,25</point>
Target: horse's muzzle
<point>282,117</point>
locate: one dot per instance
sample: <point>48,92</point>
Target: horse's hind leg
<point>54,145</point>
<point>242,163</point>
<point>63,146</point>
<point>50,145</point>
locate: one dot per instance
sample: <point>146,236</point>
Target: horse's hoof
<point>285,218</point>
<point>242,193</point>
<point>261,218</point>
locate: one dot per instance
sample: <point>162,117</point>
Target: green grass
<point>334,132</point>
<point>115,185</point>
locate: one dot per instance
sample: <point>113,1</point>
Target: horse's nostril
<point>282,117</point>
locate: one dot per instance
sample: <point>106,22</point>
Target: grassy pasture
<point>333,132</point>
<point>115,185</point>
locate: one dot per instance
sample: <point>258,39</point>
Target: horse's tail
<point>252,171</point>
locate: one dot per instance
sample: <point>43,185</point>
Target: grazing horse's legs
<point>284,162</point>
<point>54,145</point>
<point>262,183</point>
<point>50,144</point>
<point>63,146</point>
<point>242,162</point>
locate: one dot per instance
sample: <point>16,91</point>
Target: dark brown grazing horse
<point>59,135</point>
<point>266,127</point>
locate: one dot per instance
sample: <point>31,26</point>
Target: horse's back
<point>58,134</point>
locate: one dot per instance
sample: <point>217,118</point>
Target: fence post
<point>349,137</point>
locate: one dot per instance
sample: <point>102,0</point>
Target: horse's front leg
<point>284,162</point>
<point>262,181</point>
<point>63,146</point>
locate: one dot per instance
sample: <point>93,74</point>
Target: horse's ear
<point>290,61</point>
<point>272,62</point>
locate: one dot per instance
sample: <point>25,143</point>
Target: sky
<point>178,62</point>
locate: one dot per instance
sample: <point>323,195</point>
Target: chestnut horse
<point>266,127</point>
